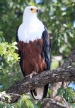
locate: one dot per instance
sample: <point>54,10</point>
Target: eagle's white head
<point>31,28</point>
<point>30,12</point>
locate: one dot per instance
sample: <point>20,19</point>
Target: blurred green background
<point>59,18</point>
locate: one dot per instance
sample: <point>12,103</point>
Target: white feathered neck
<point>31,29</point>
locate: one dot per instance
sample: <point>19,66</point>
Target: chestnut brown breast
<point>31,54</point>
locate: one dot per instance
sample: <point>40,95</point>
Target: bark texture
<point>50,103</point>
<point>56,75</point>
<point>66,72</point>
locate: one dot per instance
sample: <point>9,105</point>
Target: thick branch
<point>64,73</point>
<point>46,77</point>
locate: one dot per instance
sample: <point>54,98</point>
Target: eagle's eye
<point>31,9</point>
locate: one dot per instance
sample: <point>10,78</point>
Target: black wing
<point>46,48</point>
<point>46,55</point>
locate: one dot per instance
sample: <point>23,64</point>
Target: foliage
<point>67,93</point>
<point>58,16</point>
<point>3,95</point>
<point>24,102</point>
<point>8,51</point>
<point>61,28</point>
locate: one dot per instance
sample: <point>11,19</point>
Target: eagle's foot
<point>32,74</point>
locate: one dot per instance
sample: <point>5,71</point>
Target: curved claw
<point>32,74</point>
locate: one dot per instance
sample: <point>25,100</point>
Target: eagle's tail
<point>40,93</point>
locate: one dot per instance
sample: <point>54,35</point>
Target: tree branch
<point>63,73</point>
<point>45,77</point>
<point>50,103</point>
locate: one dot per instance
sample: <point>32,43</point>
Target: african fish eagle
<point>33,48</point>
